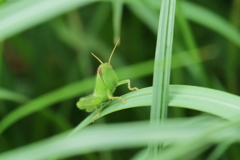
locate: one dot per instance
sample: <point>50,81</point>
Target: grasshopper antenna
<point>113,51</point>
<point>97,58</point>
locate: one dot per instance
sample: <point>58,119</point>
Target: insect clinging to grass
<point>106,83</point>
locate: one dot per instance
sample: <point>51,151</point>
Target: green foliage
<point>46,66</point>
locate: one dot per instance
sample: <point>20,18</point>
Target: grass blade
<point>211,20</point>
<point>179,132</point>
<point>162,69</point>
<point>117,17</point>
<point>12,96</point>
<point>188,38</point>
<point>144,13</point>
<point>191,97</point>
<point>18,17</point>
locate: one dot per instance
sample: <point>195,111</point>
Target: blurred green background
<point>51,50</point>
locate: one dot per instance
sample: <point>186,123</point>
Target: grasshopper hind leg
<point>90,109</point>
<point>98,110</point>
<point>120,98</point>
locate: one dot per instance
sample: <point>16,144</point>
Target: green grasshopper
<point>106,83</point>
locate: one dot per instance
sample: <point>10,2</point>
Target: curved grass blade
<point>21,15</point>
<point>12,96</point>
<point>179,132</point>
<point>211,101</point>
<point>219,103</point>
<point>45,100</point>
<point>193,12</point>
<point>211,20</point>
<point>188,38</point>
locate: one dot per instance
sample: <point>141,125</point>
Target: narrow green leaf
<point>117,18</point>
<point>12,96</point>
<point>189,40</point>
<point>144,13</point>
<point>202,16</point>
<point>19,16</point>
<point>219,103</point>
<point>1,55</point>
<point>45,100</point>
<point>210,20</point>
<point>162,70</point>
<point>179,132</point>
<point>219,150</point>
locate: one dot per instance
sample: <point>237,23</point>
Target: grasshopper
<point>106,83</point>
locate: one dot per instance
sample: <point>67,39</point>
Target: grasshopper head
<point>107,64</point>
<point>103,67</point>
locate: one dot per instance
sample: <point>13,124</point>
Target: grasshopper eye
<point>99,71</point>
